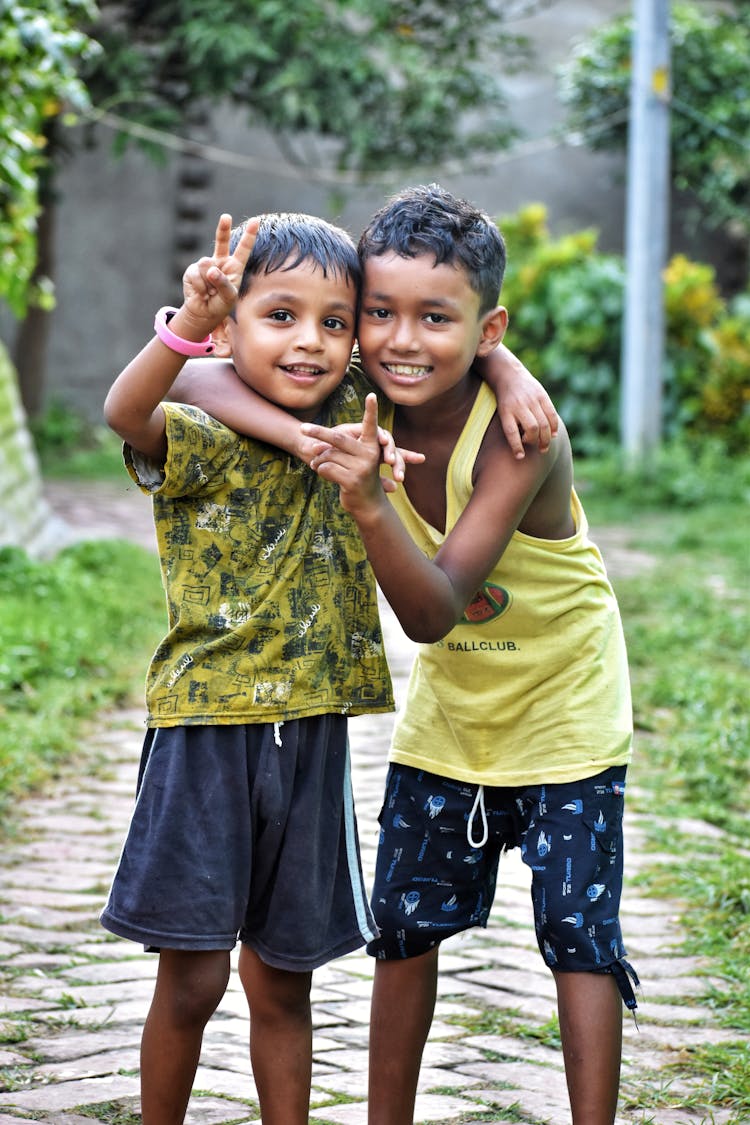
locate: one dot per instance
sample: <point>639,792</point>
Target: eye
<point>436,318</point>
<point>335,323</point>
<point>283,316</point>
<point>378,314</point>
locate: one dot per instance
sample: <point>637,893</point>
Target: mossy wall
<point>26,519</point>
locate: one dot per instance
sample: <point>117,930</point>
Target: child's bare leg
<point>189,986</point>
<point>403,1001</point>
<point>280,1038</point>
<point>590,1010</point>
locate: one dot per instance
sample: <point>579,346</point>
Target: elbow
<point>110,411</point>
<point>428,630</point>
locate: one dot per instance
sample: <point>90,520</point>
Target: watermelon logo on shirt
<point>487,604</point>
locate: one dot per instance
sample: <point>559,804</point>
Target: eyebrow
<point>386,298</point>
<point>294,299</point>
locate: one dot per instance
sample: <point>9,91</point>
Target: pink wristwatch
<point>176,343</point>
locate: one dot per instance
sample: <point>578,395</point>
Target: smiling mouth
<point>304,369</point>
<point>406,370</point>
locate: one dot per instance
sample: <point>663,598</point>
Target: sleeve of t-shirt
<point>199,450</point>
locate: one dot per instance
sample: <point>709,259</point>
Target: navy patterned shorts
<point>436,875</point>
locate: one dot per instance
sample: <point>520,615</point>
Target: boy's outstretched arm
<point>215,387</point>
<point>430,595</point>
<point>526,411</point>
<point>132,407</point>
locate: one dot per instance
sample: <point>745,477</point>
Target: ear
<point>222,340</point>
<point>494,324</point>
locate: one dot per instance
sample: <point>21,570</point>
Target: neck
<point>446,412</point>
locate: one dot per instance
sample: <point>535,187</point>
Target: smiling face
<point>292,337</point>
<point>420,328</point>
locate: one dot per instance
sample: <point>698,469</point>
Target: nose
<point>403,335</point>
<point>309,335</point>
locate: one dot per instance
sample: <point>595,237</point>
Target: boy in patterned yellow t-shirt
<point>244,822</point>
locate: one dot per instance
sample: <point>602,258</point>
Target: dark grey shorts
<point>244,831</point>
<point>431,881</point>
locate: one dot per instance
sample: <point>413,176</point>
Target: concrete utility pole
<point>646,231</point>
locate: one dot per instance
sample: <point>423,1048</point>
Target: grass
<point>76,635</point>
<point>75,638</point>
<point>686,624</point>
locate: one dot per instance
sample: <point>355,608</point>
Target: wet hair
<point>429,220</point>
<point>286,239</point>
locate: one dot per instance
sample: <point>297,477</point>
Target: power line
<point>214,154</point>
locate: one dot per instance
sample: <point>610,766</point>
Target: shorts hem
<point>306,964</point>
<point>154,941</point>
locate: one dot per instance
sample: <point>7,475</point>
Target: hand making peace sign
<point>210,285</point>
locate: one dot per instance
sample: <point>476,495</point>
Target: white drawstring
<point>478,801</point>
<point>277,733</point>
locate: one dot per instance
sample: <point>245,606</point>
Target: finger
<point>319,433</point>
<point>513,434</point>
<point>217,282</point>
<point>544,435</point>
<point>370,434</point>
<point>244,247</point>
<point>553,418</point>
<point>337,438</point>
<point>387,444</point>
<point>223,232</point>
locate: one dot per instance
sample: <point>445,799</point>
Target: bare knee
<point>273,994</point>
<point>190,985</point>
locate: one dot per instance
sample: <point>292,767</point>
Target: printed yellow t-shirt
<point>271,601</point>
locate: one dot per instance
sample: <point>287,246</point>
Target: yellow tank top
<point>532,685</point>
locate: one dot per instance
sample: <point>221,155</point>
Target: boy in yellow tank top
<point>517,728</point>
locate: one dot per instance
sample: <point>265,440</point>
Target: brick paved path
<point>73,998</point>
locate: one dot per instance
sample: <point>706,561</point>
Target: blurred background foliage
<point>565,300</point>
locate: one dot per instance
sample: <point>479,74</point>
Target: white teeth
<point>406,369</point>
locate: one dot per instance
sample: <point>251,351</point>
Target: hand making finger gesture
<point>210,285</point>
<point>351,462</point>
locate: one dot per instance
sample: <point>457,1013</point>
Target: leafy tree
<point>393,83</point>
<point>40,52</point>
<point>710,119</point>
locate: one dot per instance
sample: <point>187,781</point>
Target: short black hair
<point>286,239</point>
<point>428,219</point>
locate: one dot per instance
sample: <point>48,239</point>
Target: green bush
<point>565,300</point>
<point>565,303</point>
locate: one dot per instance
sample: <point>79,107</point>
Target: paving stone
<point>516,1048</point>
<point>11,1058</point>
<point>16,1004</point>
<point>429,1108</point>
<point>15,1120</point>
<point>68,1095</point>
<point>208,1110</point>
<point>78,1044</point>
